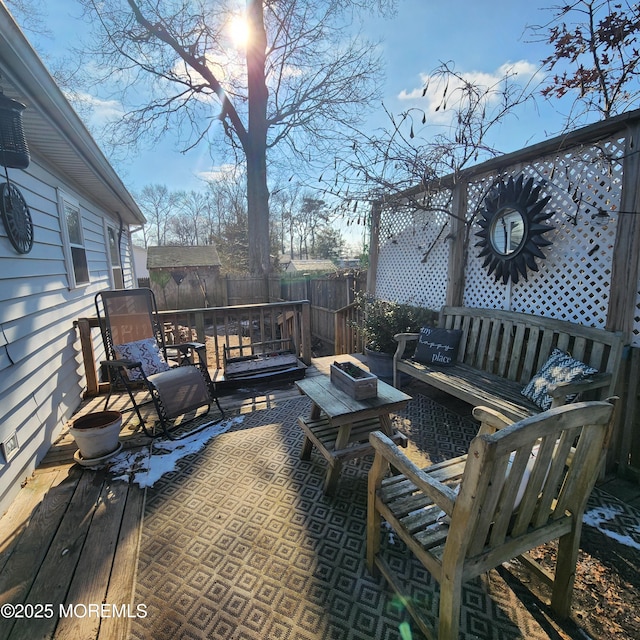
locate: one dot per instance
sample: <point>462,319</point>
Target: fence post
<point>305,331</point>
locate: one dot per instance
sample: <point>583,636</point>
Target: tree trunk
<point>256,147</point>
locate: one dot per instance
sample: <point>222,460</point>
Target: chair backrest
<point>532,475</point>
<point>128,315</point>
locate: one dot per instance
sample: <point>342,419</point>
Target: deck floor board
<point>72,536</point>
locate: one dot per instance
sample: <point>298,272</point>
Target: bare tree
<point>157,204</point>
<point>301,78</point>
<point>421,145</point>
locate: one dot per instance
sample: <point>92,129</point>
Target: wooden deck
<point>69,542</point>
<point>71,538</point>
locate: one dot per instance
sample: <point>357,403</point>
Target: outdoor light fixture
<point>13,144</point>
<point>600,218</point>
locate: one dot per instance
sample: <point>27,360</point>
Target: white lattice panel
<point>573,282</point>
<point>407,237</point>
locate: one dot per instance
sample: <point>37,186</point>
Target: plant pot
<point>380,364</point>
<point>96,434</point>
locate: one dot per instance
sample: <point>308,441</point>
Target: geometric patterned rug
<point>239,542</point>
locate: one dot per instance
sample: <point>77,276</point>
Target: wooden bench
<point>500,351</point>
<point>261,361</point>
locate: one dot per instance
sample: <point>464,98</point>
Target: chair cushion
<point>437,346</point>
<point>560,367</point>
<point>145,351</point>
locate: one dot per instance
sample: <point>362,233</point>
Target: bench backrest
<point>515,345</point>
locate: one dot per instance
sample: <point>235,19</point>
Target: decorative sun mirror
<point>511,222</point>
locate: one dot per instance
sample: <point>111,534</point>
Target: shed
<point>185,277</point>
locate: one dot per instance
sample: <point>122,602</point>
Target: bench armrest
<point>402,339</point>
<point>385,448</point>
<point>560,390</point>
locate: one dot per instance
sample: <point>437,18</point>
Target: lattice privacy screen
<point>573,282</point>
<point>413,261</point>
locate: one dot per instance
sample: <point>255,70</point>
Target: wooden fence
<point>326,295</point>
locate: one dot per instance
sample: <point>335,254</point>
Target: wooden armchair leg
<point>450,605</point>
<point>567,557</point>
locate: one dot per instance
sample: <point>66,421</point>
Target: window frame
<point>75,250</point>
<point>114,268</point>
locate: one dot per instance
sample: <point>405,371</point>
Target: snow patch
<point>600,515</point>
<point>145,467</point>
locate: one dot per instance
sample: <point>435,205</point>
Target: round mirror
<point>512,225</point>
<point>507,231</point>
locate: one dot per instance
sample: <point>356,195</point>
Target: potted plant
<point>381,320</point>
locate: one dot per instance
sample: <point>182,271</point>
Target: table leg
<point>307,445</point>
<point>385,424</point>
<point>332,477</point>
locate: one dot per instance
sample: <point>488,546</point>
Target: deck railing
<point>347,339</point>
<point>248,328</point>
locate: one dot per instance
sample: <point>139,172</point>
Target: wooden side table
<point>339,426</point>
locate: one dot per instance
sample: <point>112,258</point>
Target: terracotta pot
<point>96,434</point>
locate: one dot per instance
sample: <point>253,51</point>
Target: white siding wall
<point>41,369</point>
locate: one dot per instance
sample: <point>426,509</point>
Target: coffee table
<point>339,426</point>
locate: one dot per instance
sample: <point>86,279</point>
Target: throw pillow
<point>437,346</point>
<point>145,351</point>
<point>560,367</point>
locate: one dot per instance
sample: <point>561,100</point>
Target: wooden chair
<point>134,343</point>
<point>519,486</point>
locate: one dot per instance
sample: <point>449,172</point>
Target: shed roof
<point>169,257</point>
<point>55,133</point>
<point>311,265</point>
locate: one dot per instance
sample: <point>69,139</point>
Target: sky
<point>479,36</point>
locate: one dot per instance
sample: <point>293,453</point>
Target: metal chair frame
<point>141,304</point>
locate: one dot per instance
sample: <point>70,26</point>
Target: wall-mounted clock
<point>16,218</point>
<point>512,225</point>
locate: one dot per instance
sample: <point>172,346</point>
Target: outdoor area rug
<point>240,543</point>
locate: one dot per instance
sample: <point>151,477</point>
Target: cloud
<point>95,111</point>
<point>520,73</point>
<point>220,173</point>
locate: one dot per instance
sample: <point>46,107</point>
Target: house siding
<point>41,369</point>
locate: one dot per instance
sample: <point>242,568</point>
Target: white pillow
<point>560,367</point>
<point>145,351</point>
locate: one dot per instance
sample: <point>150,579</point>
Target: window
<point>76,255</point>
<point>117,280</point>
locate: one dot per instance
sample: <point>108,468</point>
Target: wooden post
<point>626,251</point>
<point>306,332</point>
<point>374,247</point>
<point>84,331</point>
<point>457,246</point>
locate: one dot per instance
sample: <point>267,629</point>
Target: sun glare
<point>239,31</point>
